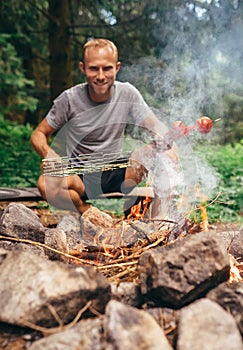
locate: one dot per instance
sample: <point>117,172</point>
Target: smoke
<point>198,65</point>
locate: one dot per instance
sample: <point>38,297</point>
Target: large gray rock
<point>126,327</point>
<point>31,285</point>
<point>204,325</point>
<point>230,297</point>
<point>183,271</point>
<point>85,335</point>
<point>21,222</point>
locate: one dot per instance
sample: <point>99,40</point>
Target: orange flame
<point>139,210</point>
<point>204,215</point>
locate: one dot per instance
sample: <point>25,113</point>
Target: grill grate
<point>85,163</point>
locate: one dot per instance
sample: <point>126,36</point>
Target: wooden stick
<point>27,241</point>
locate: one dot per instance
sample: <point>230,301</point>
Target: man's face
<point>100,68</point>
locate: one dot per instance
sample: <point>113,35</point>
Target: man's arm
<point>163,139</point>
<point>39,140</point>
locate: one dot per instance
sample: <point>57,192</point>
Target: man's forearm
<point>39,143</point>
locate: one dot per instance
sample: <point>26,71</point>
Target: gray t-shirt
<point>87,127</point>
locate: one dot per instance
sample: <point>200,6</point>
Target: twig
<point>22,240</point>
<point>154,244</point>
<point>59,328</point>
<point>210,203</point>
<point>55,315</point>
<point>117,265</point>
<point>121,274</point>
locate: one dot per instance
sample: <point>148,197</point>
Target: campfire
<point>119,262</point>
<point>134,254</point>
<point>121,279</point>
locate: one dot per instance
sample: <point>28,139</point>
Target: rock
<point>21,222</point>
<point>126,327</point>
<point>128,293</point>
<point>167,319</point>
<point>30,285</point>
<point>236,247</point>
<point>233,241</point>
<point>183,271</point>
<point>94,224</point>
<point>206,325</point>
<point>72,228</point>
<point>56,239</point>
<point>17,246</point>
<point>123,327</point>
<point>97,217</point>
<point>85,335</point>
<point>230,297</point>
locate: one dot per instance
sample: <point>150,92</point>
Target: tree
<point>173,51</point>
<point>15,97</point>
<point>60,47</point>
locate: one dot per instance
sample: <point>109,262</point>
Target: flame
<point>234,270</point>
<point>204,215</point>
<point>139,210</point>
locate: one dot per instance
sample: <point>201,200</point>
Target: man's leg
<point>143,161</point>
<point>63,192</point>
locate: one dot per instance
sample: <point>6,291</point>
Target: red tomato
<point>178,124</point>
<point>204,125</point>
<point>180,127</point>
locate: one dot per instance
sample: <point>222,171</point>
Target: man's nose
<point>100,74</point>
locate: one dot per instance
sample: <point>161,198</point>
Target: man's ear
<point>118,66</point>
<point>81,67</point>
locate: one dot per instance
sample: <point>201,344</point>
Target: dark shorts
<point>103,182</point>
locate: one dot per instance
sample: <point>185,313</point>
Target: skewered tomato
<point>180,127</point>
<point>204,125</point>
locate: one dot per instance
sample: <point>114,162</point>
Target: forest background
<point>185,57</point>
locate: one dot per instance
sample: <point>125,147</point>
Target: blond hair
<point>100,43</point>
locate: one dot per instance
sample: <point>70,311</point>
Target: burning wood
<point>235,270</point>
<point>139,210</point>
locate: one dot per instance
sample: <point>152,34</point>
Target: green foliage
<point>20,165</point>
<point>15,87</point>
<point>227,161</point>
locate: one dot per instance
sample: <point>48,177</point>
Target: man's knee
<point>49,186</point>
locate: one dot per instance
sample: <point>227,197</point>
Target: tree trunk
<point>59,47</point>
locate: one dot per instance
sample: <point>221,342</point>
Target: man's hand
<point>52,165</point>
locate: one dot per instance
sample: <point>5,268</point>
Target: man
<point>94,115</point>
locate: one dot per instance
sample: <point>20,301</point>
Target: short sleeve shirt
<point>86,127</point>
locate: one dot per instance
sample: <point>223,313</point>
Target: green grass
<point>20,165</point>
<point>227,161</point>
